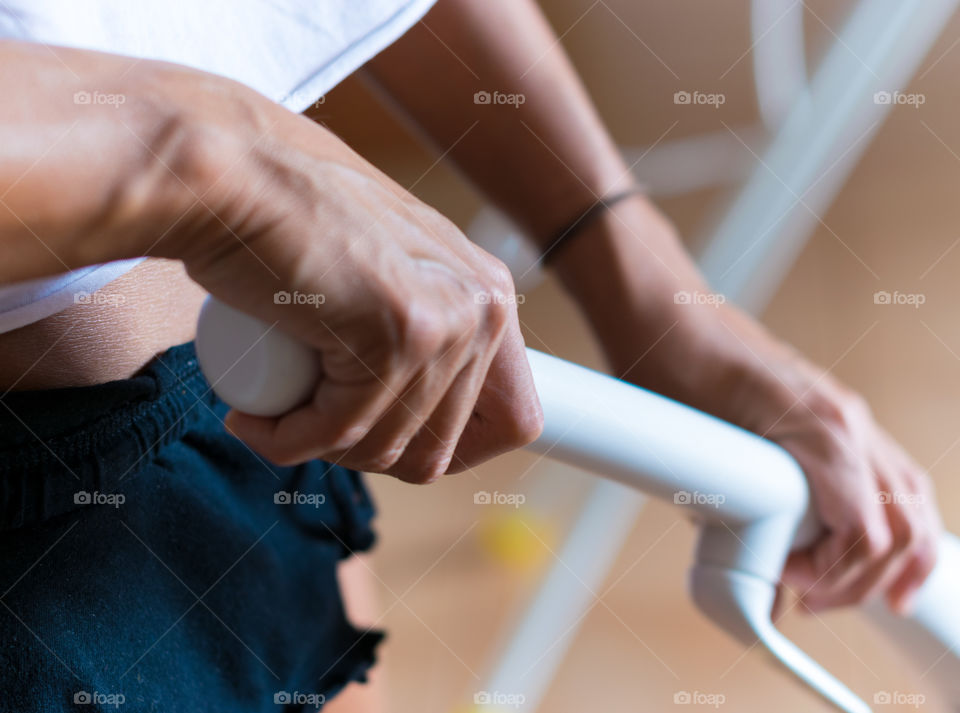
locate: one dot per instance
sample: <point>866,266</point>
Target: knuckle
<point>437,465</point>
<point>344,437</point>
<point>841,407</point>
<point>425,472</point>
<point>422,332</point>
<point>496,292</point>
<point>498,276</point>
<point>876,543</point>
<point>432,464</point>
<point>525,427</point>
<point>384,460</point>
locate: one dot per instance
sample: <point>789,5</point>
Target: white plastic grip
<point>254,367</point>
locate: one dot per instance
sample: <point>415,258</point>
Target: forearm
<point>105,158</point>
<point>545,162</point>
<point>69,168</point>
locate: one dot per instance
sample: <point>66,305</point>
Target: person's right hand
<point>423,367</point>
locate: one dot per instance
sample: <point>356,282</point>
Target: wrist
<point>196,163</point>
<point>659,325</point>
<point>196,178</point>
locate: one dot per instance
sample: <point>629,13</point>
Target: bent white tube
<point>750,494</point>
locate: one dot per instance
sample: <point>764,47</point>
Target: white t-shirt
<point>292,51</point>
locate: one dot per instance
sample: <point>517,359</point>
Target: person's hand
<point>423,367</point>
<point>876,504</point>
<point>662,329</point>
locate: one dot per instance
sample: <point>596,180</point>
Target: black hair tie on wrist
<point>573,229</point>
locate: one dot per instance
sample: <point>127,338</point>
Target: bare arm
<point>422,358</point>
<point>73,174</point>
<point>550,158</point>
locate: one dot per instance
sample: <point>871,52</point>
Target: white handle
<point>749,493</point>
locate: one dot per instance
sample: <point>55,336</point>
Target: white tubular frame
<point>752,498</point>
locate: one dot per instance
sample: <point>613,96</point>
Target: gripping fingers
<point>380,449</point>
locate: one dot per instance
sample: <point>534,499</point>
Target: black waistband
<point>57,443</point>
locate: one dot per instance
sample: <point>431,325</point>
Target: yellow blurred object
<point>520,539</point>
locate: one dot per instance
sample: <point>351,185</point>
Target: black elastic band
<point>585,218</point>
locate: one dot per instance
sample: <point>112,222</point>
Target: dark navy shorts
<point>149,561</point>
